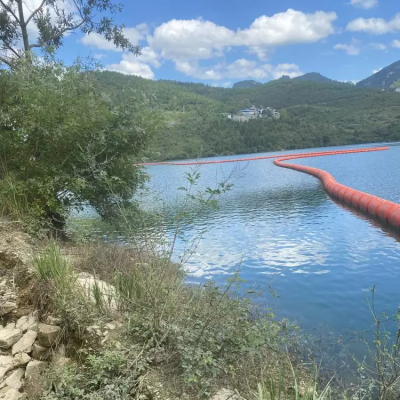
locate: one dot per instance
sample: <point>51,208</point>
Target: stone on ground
<point>34,369</point>
<point>6,364</point>
<point>88,282</point>
<point>48,335</point>
<point>8,337</point>
<point>14,380</point>
<point>24,345</point>
<point>8,393</point>
<point>28,323</point>
<point>41,353</point>
<point>7,307</point>
<point>20,359</point>
<point>225,394</point>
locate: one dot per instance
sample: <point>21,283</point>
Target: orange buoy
<point>384,210</point>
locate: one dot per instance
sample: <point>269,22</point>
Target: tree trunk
<point>24,29</point>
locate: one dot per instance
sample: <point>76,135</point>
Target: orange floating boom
<point>384,210</point>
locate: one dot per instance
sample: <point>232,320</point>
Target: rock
<point>8,337</point>
<point>50,320</point>
<point>6,364</point>
<point>8,393</point>
<point>225,394</point>
<point>48,335</point>
<point>20,359</point>
<point>88,282</point>
<point>24,345</point>
<point>28,323</point>
<point>14,380</point>
<point>7,307</point>
<point>41,353</point>
<point>34,369</point>
<point>10,325</point>
<point>110,326</point>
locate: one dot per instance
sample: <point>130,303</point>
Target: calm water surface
<point>283,230</point>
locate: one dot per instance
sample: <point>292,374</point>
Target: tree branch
<point>12,49</point>
<point>35,12</point>
<point>57,35</point>
<point>5,61</point>
<point>9,9</point>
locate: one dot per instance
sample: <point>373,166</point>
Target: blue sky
<point>220,42</point>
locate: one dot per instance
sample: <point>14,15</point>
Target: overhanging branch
<point>9,9</point>
<point>57,35</point>
<point>35,12</point>
<point>5,61</point>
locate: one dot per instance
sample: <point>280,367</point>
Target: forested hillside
<point>312,114</point>
<point>383,79</point>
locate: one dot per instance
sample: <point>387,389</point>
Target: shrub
<point>64,145</point>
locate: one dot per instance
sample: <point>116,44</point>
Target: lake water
<point>283,230</point>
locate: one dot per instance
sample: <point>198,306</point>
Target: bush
<point>63,145</point>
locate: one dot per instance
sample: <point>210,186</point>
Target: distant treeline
<point>313,114</point>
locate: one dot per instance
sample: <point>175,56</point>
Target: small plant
<point>52,266</point>
<point>379,371</point>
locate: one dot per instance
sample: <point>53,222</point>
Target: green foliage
<point>64,145</point>
<point>52,266</point>
<point>109,375</point>
<point>53,21</point>
<point>313,114</point>
<point>382,79</point>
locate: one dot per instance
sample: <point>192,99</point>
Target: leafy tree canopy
<point>64,145</point>
<point>45,25</point>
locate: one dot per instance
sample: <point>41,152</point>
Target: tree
<point>23,29</point>
<point>63,145</point>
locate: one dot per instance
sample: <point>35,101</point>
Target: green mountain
<point>313,114</point>
<point>382,79</point>
<point>314,77</point>
<point>245,84</point>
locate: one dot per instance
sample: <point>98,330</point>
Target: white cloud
<point>239,69</point>
<point>376,70</point>
<point>131,65</point>
<point>198,39</point>
<point>375,26</point>
<point>291,70</point>
<point>149,56</point>
<point>286,28</point>
<point>377,46</point>
<point>396,44</point>
<point>350,49</point>
<point>135,36</point>
<point>364,3</point>
<point>191,39</point>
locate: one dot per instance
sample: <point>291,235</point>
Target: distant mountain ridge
<point>246,84</point>
<point>382,79</point>
<point>313,77</point>
<point>310,76</point>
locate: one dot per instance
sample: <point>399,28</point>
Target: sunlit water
<point>284,231</point>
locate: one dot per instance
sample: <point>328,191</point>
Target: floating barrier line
<point>384,210</point>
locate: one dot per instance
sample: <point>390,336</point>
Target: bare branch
<point>35,12</point>
<point>5,61</point>
<point>57,35</point>
<point>12,49</point>
<point>9,9</point>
